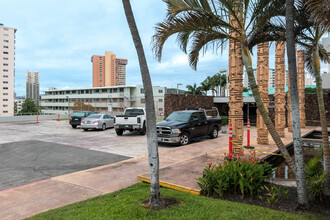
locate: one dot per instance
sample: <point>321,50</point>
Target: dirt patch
<point>286,203</point>
<point>167,203</point>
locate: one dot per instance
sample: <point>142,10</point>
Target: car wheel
<point>103,127</point>
<point>74,126</point>
<point>214,133</point>
<point>85,129</point>
<point>185,139</point>
<point>144,129</point>
<point>119,132</point>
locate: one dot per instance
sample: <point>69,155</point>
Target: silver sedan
<point>97,121</point>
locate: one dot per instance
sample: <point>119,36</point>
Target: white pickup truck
<point>132,119</point>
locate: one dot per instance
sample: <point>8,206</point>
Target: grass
<point>127,204</point>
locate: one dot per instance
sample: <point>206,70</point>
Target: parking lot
<point>31,152</point>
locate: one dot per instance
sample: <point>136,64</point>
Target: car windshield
<point>94,116</point>
<point>134,112</point>
<point>78,114</point>
<point>179,116</point>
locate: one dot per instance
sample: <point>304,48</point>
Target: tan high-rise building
<point>108,70</point>
<point>7,70</point>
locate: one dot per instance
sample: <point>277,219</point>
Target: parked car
<point>76,117</point>
<point>132,119</point>
<point>181,126</point>
<point>97,121</point>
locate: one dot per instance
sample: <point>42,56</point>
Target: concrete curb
<point>171,186</point>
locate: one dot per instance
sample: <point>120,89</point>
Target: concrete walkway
<point>179,166</point>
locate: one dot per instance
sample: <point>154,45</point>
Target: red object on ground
<point>37,117</point>
<point>230,141</point>
<point>58,117</point>
<point>248,133</point>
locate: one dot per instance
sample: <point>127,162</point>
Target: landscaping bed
<point>286,203</point>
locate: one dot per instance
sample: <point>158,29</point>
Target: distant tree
<point>245,89</point>
<point>81,106</point>
<point>194,90</point>
<point>29,107</point>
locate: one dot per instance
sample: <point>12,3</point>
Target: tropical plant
<point>207,23</point>
<point>243,176</point>
<point>274,193</point>
<point>319,11</point>
<point>194,90</point>
<point>315,177</point>
<point>310,40</point>
<point>153,156</point>
<point>295,117</point>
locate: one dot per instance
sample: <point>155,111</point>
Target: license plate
<point>76,119</point>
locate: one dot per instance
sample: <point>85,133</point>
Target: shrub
<point>315,177</point>
<point>241,176</point>
<point>224,120</point>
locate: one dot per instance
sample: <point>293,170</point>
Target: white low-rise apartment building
<point>112,100</point>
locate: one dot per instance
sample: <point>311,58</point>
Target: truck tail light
<point>70,119</point>
<point>138,120</point>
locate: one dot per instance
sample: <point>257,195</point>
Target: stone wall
<point>312,109</point>
<point>174,102</point>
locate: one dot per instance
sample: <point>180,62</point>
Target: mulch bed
<point>286,203</point>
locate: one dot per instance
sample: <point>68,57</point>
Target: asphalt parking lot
<point>30,151</point>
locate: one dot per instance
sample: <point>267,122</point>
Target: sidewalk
<point>179,166</point>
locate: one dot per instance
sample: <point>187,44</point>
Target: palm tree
<point>194,90</point>
<point>206,85</point>
<point>319,11</point>
<point>153,158</point>
<point>208,23</point>
<point>310,40</point>
<point>295,118</point>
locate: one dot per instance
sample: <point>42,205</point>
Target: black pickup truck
<point>180,126</point>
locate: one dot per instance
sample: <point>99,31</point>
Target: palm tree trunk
<point>325,140</point>
<point>153,157</point>
<point>296,133</point>
<point>247,61</point>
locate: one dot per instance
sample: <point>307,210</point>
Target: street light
<point>177,87</point>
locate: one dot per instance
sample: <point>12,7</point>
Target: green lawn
<point>127,204</point>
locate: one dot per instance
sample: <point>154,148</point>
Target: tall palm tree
<point>194,90</point>
<point>207,23</point>
<point>153,158</point>
<point>206,85</point>
<point>310,40</point>
<point>295,117</point>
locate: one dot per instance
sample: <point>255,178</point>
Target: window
<point>104,90</point>
<point>160,109</point>
<point>4,105</point>
<point>5,52</point>
<point>5,76</point>
<point>6,35</point>
<point>160,100</point>
<point>6,41</point>
<point>5,111</point>
<point>202,116</point>
<point>121,90</point>
<point>5,93</point>
<point>5,70</point>
<point>5,47</point>
<point>6,29</point>
<point>5,64</point>
<point>5,88</point>
<point>5,58</point>
<point>142,90</point>
<point>5,100</point>
<point>160,91</point>
<point>5,82</point>
<point>114,90</point>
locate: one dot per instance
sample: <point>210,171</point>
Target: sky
<point>58,38</point>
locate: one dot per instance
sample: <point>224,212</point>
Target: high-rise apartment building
<point>108,70</point>
<point>271,80</point>
<point>32,86</point>
<point>7,70</point>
